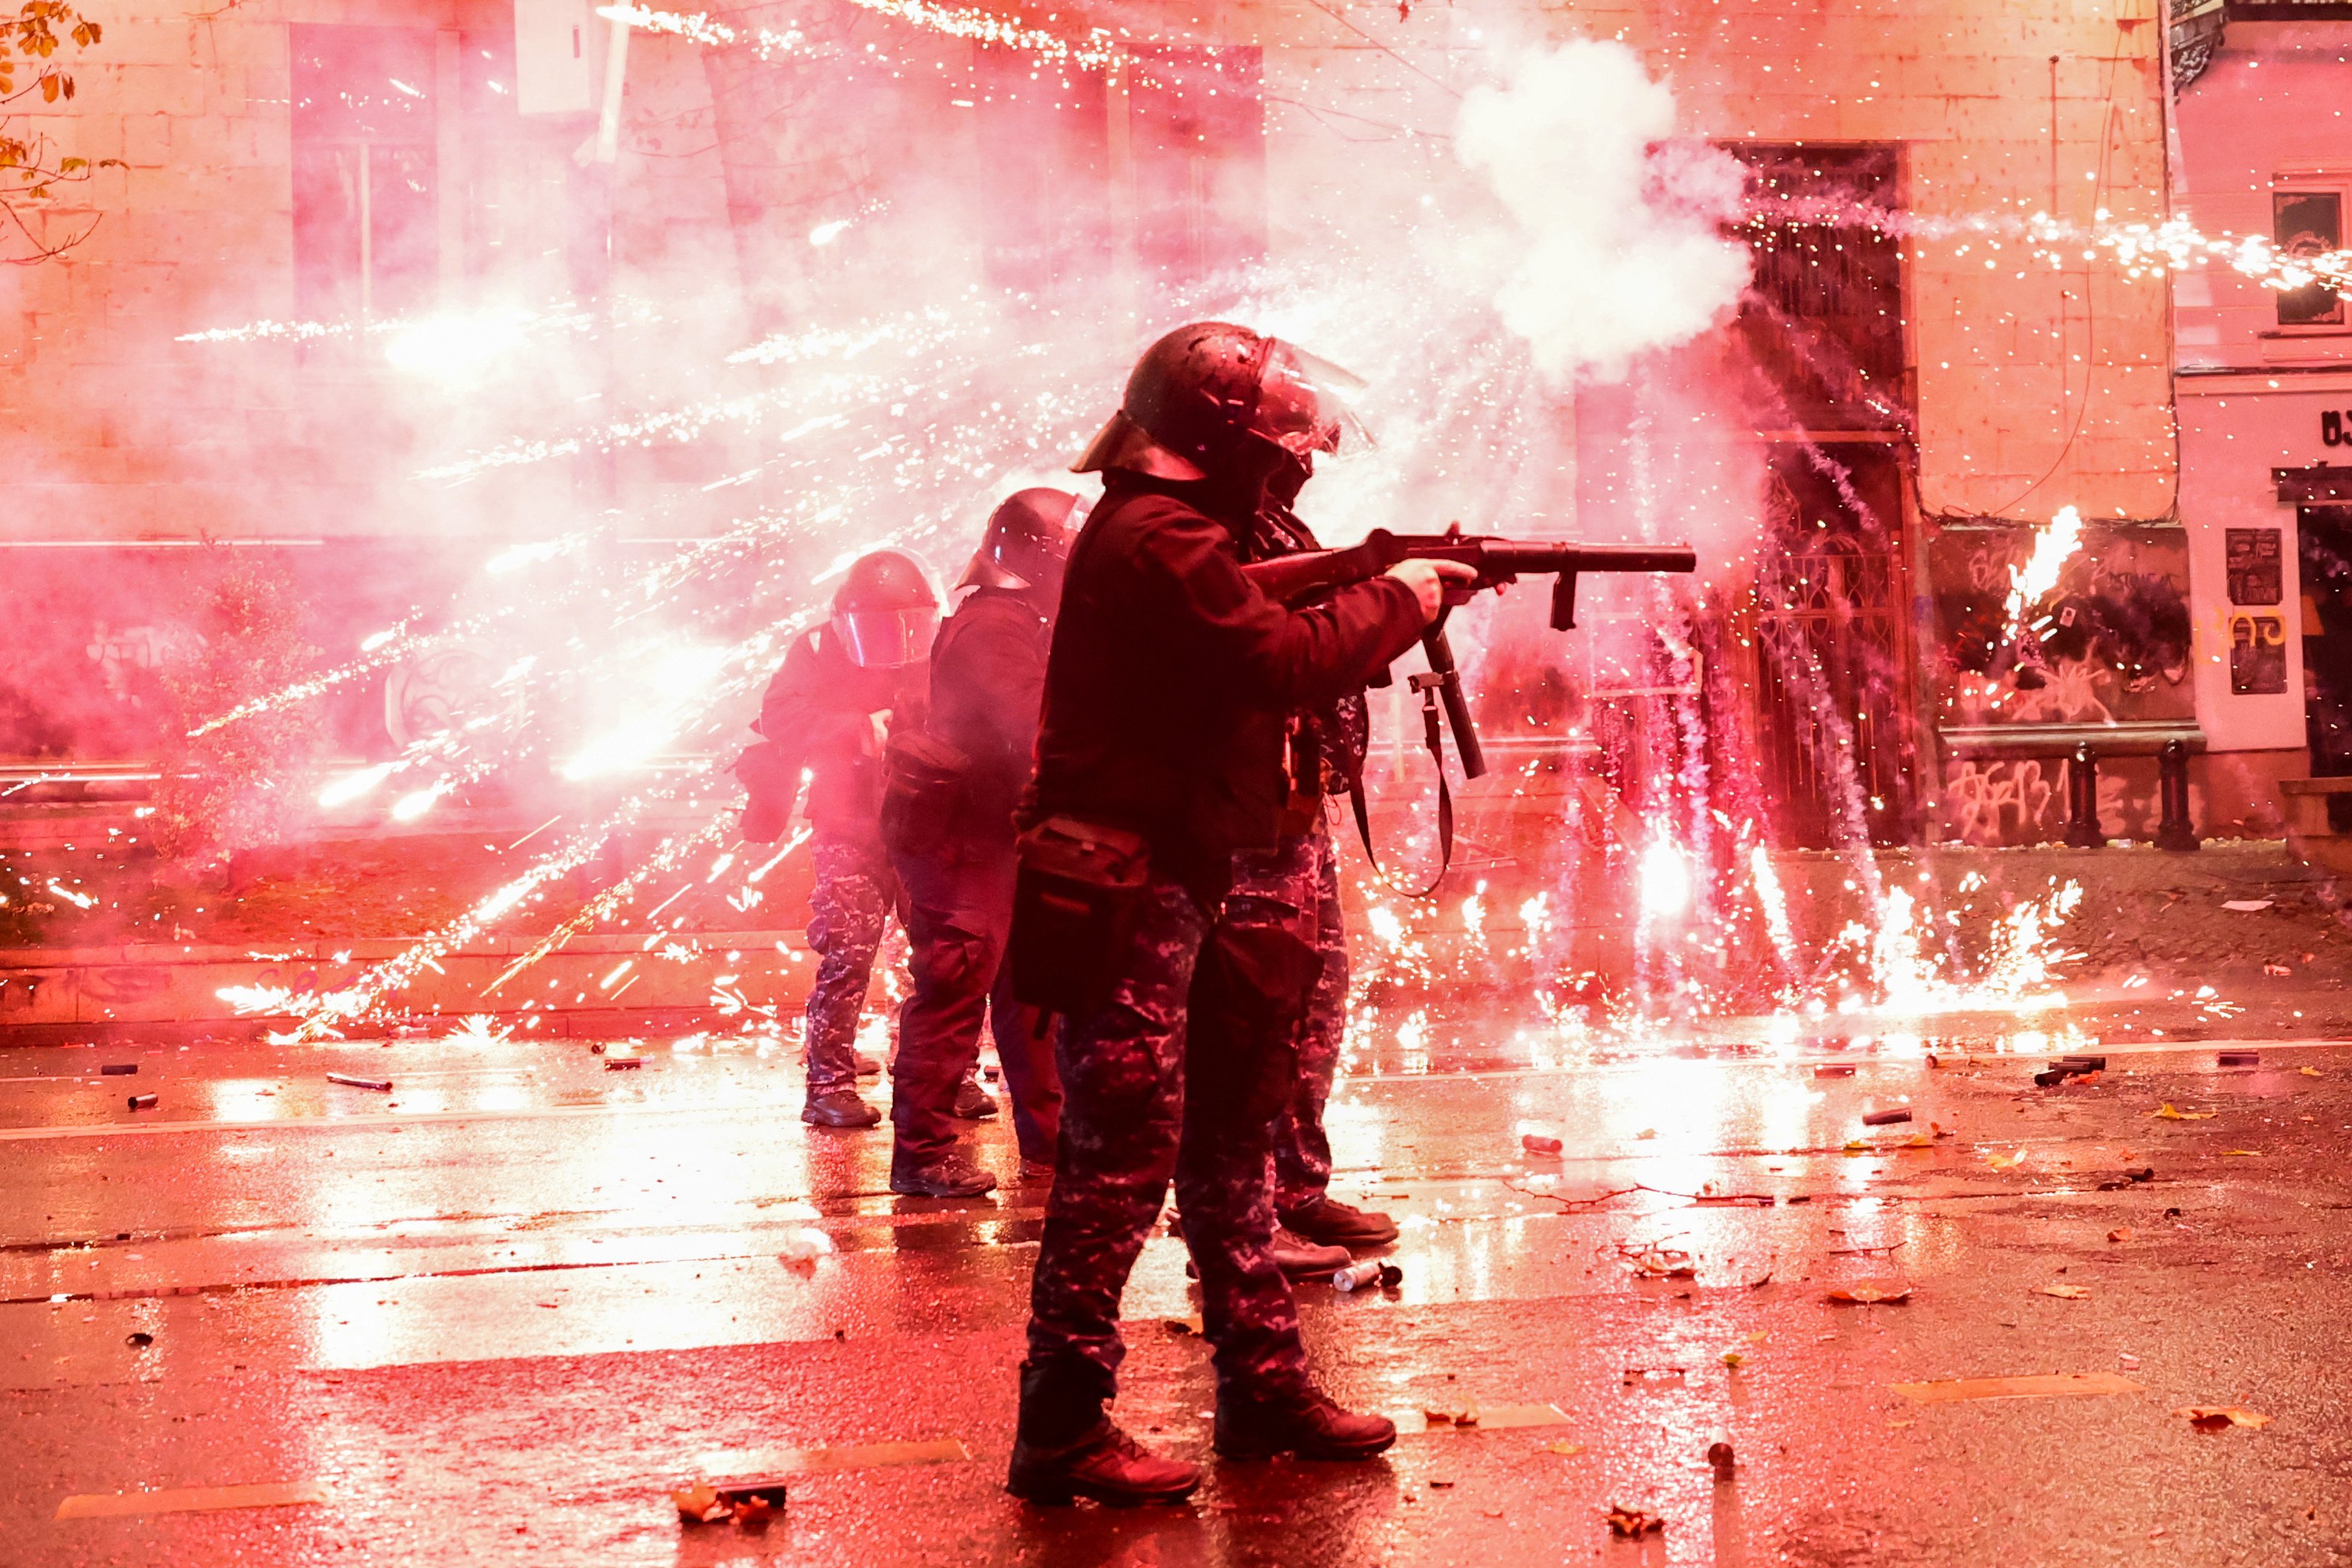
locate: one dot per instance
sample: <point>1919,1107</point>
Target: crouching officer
<point>948,816</point>
<point>1160,754</point>
<point>830,709</point>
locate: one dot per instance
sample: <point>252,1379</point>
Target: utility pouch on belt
<point>922,786</point>
<point>1073,910</point>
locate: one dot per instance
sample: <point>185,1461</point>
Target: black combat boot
<point>973,1103</point>
<point>946,1174</point>
<point>1309,1426</point>
<point>1066,1448</point>
<point>1338,1223</point>
<point>838,1108</point>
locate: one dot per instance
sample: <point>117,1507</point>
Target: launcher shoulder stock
<point>1288,579</point>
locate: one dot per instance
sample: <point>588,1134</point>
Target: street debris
<point>1369,1272</point>
<point>1651,1376</point>
<point>2121,1233</point>
<point>1999,1162</point>
<point>1659,1262</point>
<point>1870,1296</point>
<point>2165,1112</point>
<point>2222,1417</point>
<point>803,1246</point>
<point>381,1085</point>
<point>140,1341</point>
<point>1536,1143</point>
<point>1565,1450</point>
<point>1885,1118</point>
<point>2247,906</point>
<point>750,1503</point>
<point>2308,1072</point>
<point>2064,1292</point>
<point>2127,1361</point>
<point>1633,1521</point>
<point>2130,1178</point>
<point>622,1064</point>
<point>1182,1325</point>
<point>1436,1417</point>
<point>142,1102</point>
<point>2049,1386</point>
<point>1734,1360</point>
<point>1719,1452</point>
<point>2276,969</point>
<point>118,1070</point>
<point>2241,1059</point>
<point>1834,1069</point>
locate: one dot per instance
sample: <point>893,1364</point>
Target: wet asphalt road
<point>495,1314</point>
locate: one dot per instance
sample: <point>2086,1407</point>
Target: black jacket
<point>1171,676</point>
<point>988,680</point>
<point>819,710</point>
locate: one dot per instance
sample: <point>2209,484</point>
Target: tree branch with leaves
<point>31,169</point>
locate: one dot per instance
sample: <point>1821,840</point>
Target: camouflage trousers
<point>1171,1078</point>
<point>1296,886</point>
<point>848,906</point>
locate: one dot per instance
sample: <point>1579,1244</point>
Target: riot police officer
<point>948,817</point>
<point>830,709</point>
<point>1158,756</point>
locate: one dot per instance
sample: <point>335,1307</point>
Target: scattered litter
<point>1999,1162</point>
<point>139,1341</point>
<point>1182,1325</point>
<point>804,1246</point>
<point>622,1064</point>
<point>1719,1452</point>
<point>2308,1072</point>
<point>700,1505</point>
<point>2247,906</point>
<point>2064,1292</point>
<point>1437,1418</point>
<point>1536,1143</point>
<point>1870,1295</point>
<point>1564,1450</point>
<point>2083,1064</point>
<point>2222,1417</point>
<point>2248,1153</point>
<point>1370,1271</point>
<point>118,1070</point>
<point>1659,1262</point>
<point>2121,1233</point>
<point>1651,1376</point>
<point>1436,1482</point>
<point>2052,1385</point>
<point>381,1085</point>
<point>1734,1360</point>
<point>1633,1521</point>
<point>2165,1112</point>
<point>2127,1361</point>
<point>2276,969</point>
<point>1834,1069</point>
<point>1645,1133</point>
<point>2241,1059</point>
<point>142,1102</point>
<point>1885,1118</point>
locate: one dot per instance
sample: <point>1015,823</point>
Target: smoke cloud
<point>1623,248</point>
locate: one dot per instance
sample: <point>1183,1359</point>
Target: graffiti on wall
<point>2109,646</point>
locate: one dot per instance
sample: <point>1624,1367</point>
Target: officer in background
<point>948,817</point>
<point>1160,755</point>
<point>1295,885</point>
<point>830,710</point>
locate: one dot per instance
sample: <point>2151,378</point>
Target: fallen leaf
<point>1870,1295</point>
<point>2065,1292</point>
<point>699,1505</point>
<point>1632,1521</point>
<point>2220,1417</point>
<point>1564,1449</point>
<point>2165,1112</point>
<point>2121,1233</point>
<point>1759,1336</point>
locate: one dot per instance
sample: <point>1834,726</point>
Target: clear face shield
<point>1302,404</point>
<point>886,640</point>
